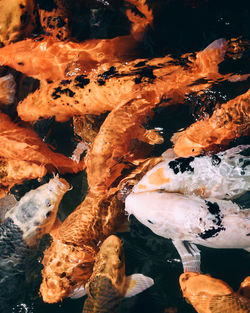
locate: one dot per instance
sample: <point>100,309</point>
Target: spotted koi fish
<point>190,220</point>
<point>224,175</point>
<point>20,233</point>
<point>109,86</point>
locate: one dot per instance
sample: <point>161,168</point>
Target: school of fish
<point>111,94</point>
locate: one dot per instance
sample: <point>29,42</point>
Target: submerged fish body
<point>108,284</point>
<point>224,175</point>
<point>208,222</point>
<point>21,231</point>
<point>211,295</point>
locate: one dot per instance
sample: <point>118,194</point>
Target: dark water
<point>179,27</point>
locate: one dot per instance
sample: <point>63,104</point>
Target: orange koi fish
<point>17,20</point>
<point>68,262</point>
<point>16,171</point>
<point>107,87</point>
<point>54,23</point>
<point>46,58</point>
<point>229,121</point>
<point>22,143</point>
<point>211,295</point>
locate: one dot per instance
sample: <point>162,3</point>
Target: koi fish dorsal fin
<point>137,283</point>
<point>209,58</point>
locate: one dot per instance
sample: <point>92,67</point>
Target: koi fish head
<point>110,261</point>
<point>36,212</point>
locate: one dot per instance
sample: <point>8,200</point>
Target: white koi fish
<point>190,220</point>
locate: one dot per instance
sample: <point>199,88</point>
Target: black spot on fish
<point>109,73</point>
<point>24,18</point>
<point>215,160</point>
<point>213,208</point>
<point>81,81</point>
<point>21,6</point>
<point>248,234</point>
<point>139,64</point>
<point>20,63</point>
<point>245,152</point>
<point>181,165</point>
<point>65,82</point>
<point>59,91</point>
<point>101,82</point>
<point>60,22</point>
<point>150,222</point>
<point>145,73</point>
<point>212,232</point>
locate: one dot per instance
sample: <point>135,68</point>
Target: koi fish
<point>21,231</point>
<point>7,90</point>
<point>190,220</point>
<point>23,144</point>
<point>16,171</point>
<point>108,283</point>
<point>224,175</point>
<point>17,20</point>
<point>68,262</point>
<point>229,121</point>
<point>47,58</point>
<point>211,295</point>
<point>108,86</point>
<point>54,23</point>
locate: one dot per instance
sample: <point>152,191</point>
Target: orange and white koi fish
<point>224,175</point>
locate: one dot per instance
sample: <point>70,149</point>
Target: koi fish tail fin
<point>137,283</point>
<point>7,89</point>
<point>140,16</point>
<point>208,59</point>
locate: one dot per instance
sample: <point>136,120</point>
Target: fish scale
<point>229,303</point>
<point>103,297</point>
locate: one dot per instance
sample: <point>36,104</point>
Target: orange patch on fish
<point>157,178</point>
<point>141,186</point>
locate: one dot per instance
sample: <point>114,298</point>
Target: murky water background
<point>180,27</point>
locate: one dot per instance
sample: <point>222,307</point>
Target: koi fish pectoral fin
<point>78,292</point>
<point>190,255</point>
<point>137,283</point>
